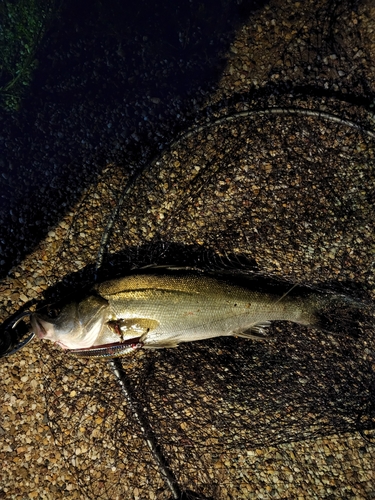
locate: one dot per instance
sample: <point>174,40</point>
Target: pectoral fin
<point>134,327</point>
<point>256,332</point>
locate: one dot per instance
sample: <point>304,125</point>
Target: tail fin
<point>345,315</point>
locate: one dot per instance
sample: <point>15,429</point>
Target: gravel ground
<point>294,193</point>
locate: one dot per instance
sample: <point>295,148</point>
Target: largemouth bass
<point>164,309</point>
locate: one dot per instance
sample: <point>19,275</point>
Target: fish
<point>162,308</point>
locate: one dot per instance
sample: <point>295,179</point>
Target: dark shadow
<point>115,80</point>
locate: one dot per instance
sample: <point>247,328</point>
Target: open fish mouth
<point>38,327</point>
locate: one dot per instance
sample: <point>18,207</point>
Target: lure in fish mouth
<point>156,309</point>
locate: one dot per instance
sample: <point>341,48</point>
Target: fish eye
<point>52,312</point>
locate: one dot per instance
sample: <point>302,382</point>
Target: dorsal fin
<point>166,267</point>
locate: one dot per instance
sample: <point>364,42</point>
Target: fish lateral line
<point>145,291</point>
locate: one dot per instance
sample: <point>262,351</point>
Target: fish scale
<point>193,307</point>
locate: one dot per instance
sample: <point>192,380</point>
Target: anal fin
<point>255,332</point>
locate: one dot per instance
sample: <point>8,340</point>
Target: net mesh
<point>279,181</point>
<point>277,191</point>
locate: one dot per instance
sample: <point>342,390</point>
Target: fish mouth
<point>37,327</point>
